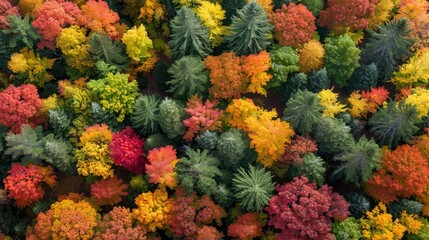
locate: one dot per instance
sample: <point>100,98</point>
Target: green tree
<point>250,30</point>
<point>189,37</point>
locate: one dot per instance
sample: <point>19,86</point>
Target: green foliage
<point>139,183</point>
<point>296,82</point>
<point>197,171</point>
<point>231,8</point>
<point>145,115</point>
<point>28,145</point>
<point>13,221</point>
<point>103,48</point>
<point>395,123</point>
<point>411,207</point>
<point>331,135</point>
<point>207,140</point>
<point>359,160</point>
<point>312,168</point>
<point>315,6</point>
<point>21,33</point>
<point>318,80</point>
<point>302,111</point>
<point>41,206</point>
<point>284,60</point>
<point>99,116</point>
<point>230,148</point>
<point>250,30</point>
<point>115,93</point>
<point>253,188</point>
<point>223,196</point>
<point>348,229</point>
<point>363,78</point>
<point>359,204</point>
<point>341,58</point>
<point>58,152</point>
<point>156,140</point>
<point>59,121</point>
<point>388,47</point>
<point>3,132</point>
<point>189,77</point>
<point>189,37</point>
<point>102,69</point>
<point>171,118</point>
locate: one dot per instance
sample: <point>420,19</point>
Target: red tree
<point>126,149</point>
<point>18,106</point>
<point>24,184</point>
<point>341,14</point>
<point>293,24</point>
<point>302,211</point>
<point>109,191</point>
<point>246,227</point>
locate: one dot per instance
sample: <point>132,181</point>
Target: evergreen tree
<point>109,51</point>
<point>189,77</point>
<point>387,47</point>
<point>250,30</point>
<point>394,124</point>
<point>302,111</point>
<point>189,37</point>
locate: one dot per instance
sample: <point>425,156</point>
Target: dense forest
<point>214,119</point>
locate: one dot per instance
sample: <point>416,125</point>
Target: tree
<point>387,47</point>
<point>111,52</point>
<point>294,25</point>
<point>404,173</point>
<point>302,111</point>
<point>253,188</point>
<point>189,37</point>
<point>99,17</point>
<point>359,160</point>
<point>255,67</point>
<point>138,44</point>
<point>311,56</point>
<point>363,78</point>
<point>284,60</point>
<point>246,226</point>
<point>189,77</point>
<point>197,171</point>
<point>341,58</point>
<point>123,155</point>
<point>21,32</point>
<point>331,135</point>
<point>145,114</point>
<point>115,93</point>
<point>212,15</point>
<point>318,80</point>
<point>230,148</point>
<point>109,191</point>
<point>394,124</point>
<point>171,118</point>
<point>348,229</point>
<point>353,14</point>
<point>118,223</point>
<point>415,72</point>
<point>312,167</point>
<point>160,167</point>
<point>250,30</point>
<point>19,106</point>
<point>300,209</point>
<point>226,76</point>
<point>329,101</point>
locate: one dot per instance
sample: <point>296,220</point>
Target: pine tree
<point>189,37</point>
<point>394,124</point>
<point>105,49</point>
<point>144,117</point>
<point>250,30</point>
<point>387,47</point>
<point>359,160</point>
<point>302,111</point>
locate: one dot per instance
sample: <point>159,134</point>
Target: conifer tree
<point>250,30</point>
<point>387,47</point>
<point>189,37</point>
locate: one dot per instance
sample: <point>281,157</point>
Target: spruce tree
<point>189,36</point>
<point>250,30</point>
